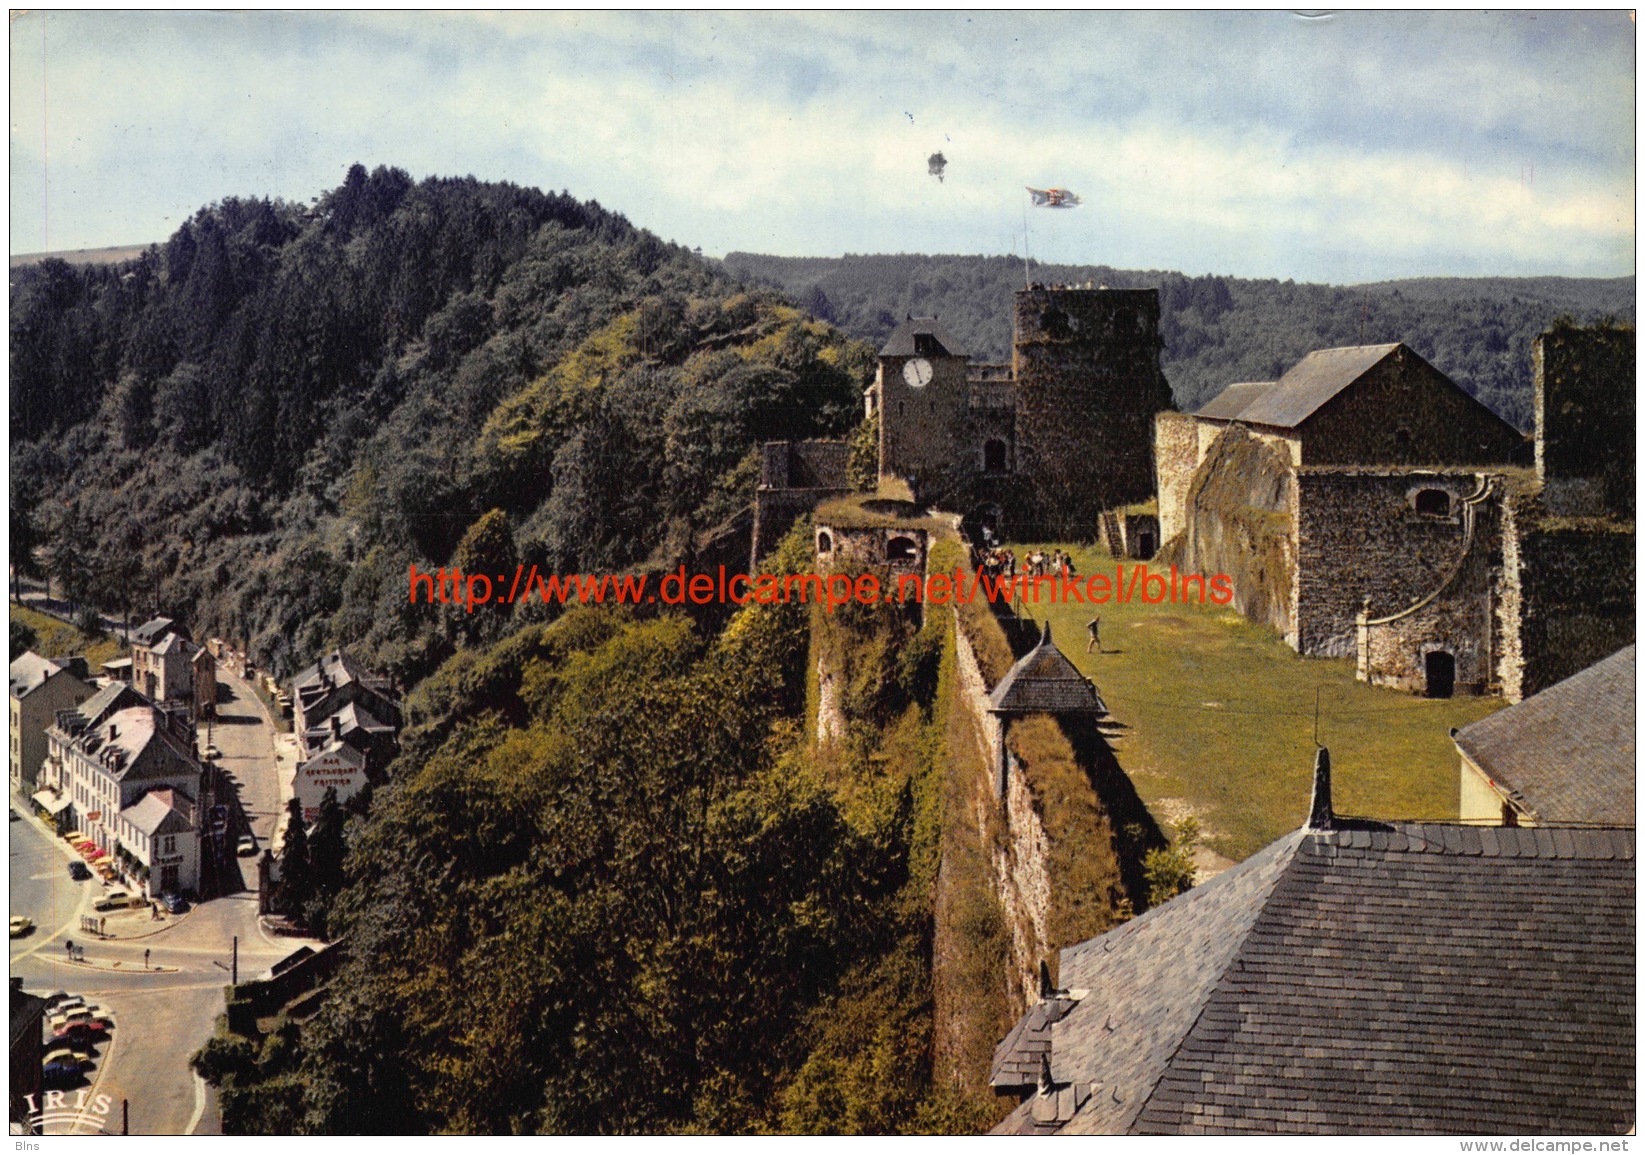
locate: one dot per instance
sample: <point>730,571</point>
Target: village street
<point>162,1014</point>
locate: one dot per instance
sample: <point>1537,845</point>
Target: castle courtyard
<point>1213,717</point>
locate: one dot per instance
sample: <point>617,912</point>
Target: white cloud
<point>1239,142</point>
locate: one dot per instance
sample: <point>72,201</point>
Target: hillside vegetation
<point>259,425</point>
<point>1217,329</point>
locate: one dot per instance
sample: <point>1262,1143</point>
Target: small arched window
<point>1433,502</point>
<point>900,549</point>
<point>825,544</point>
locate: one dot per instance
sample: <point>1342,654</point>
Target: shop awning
<point>50,804</point>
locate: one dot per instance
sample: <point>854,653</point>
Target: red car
<point>81,1027</point>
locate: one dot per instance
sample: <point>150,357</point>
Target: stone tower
<point>1087,370</point>
<point>923,397</point>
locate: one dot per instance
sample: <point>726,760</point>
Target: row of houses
<point>346,720</point>
<point>1374,976</point>
<point>115,758</point>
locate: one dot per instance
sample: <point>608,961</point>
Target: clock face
<point>917,372</point>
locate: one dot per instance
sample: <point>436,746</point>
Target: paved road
<point>245,735</point>
<point>162,1016</point>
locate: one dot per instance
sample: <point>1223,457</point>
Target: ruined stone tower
<point>1088,383</point>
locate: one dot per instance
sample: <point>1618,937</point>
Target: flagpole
<point>1027,283</point>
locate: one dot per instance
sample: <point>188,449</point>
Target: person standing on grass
<point>1094,629</point>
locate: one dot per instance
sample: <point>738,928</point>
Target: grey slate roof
<point>1045,681</point>
<point>1566,754</point>
<point>29,671</point>
<point>901,342</point>
<point>1369,978</point>
<point>1228,404</point>
<point>1304,388</point>
<point>152,631</point>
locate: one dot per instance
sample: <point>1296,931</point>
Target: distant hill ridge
<point>109,256</point>
<point>1218,329</point>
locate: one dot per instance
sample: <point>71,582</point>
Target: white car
<point>247,847</point>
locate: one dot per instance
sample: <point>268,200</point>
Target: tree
<point>22,638</point>
<point>296,878</point>
<point>325,859</point>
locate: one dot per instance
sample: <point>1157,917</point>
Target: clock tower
<point>922,395</point>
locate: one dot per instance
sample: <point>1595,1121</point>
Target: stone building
<point>166,666</point>
<point>795,477</point>
<point>1585,439</point>
<point>1040,446</point>
<point>38,688</point>
<point>1366,507</point>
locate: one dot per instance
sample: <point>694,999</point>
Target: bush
<point>1170,872</point>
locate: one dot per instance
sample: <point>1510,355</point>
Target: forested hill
<point>1218,329</point>
<point>258,425</point>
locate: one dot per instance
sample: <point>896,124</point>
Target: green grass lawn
<point>58,639</point>
<point>1219,720</point>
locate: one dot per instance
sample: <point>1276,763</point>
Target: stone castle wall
<point>1241,519</point>
<point>1361,536</point>
<point>1176,456</point>
<point>1584,404</point>
<point>1089,382</point>
<point>1578,589</point>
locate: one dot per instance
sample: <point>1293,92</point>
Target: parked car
<point>213,753</point>
<point>79,871</point>
<point>79,1029</point>
<point>15,817</point>
<point>58,998</point>
<point>174,902</point>
<point>117,900</point>
<point>59,1070</point>
<point>59,1010</point>
<point>248,846</point>
<point>20,926</point>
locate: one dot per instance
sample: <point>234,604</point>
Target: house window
<point>825,544</point>
<point>1433,503</point>
<point>170,844</point>
<point>900,549</point>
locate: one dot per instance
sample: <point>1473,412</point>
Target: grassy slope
<point>1219,717</point>
<point>59,639</point>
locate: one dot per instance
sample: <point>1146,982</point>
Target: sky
<point>1342,147</point>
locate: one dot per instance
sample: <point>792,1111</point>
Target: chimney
<point>113,732</point>
<point>1045,1073</point>
<point>336,726</point>
<point>1319,815</point>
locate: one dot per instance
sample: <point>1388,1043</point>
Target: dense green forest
<point>1217,329</point>
<point>257,426</point>
<point>608,885</point>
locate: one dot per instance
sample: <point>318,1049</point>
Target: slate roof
<point>152,631</point>
<point>1566,754</point>
<point>1299,394</point>
<point>1045,681</point>
<point>29,671</point>
<point>150,814</point>
<point>1228,404</point>
<point>901,342</point>
<point>112,697</point>
<point>1367,978</point>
